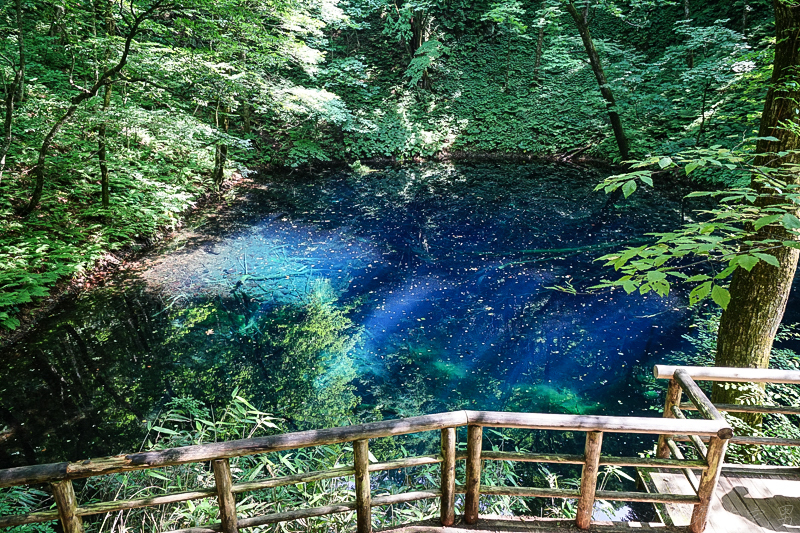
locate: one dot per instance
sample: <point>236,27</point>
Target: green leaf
<point>655,275</point>
<point>629,286</point>
<point>664,162</point>
<point>648,180</point>
<point>763,221</point>
<point>721,296</point>
<point>767,258</point>
<point>789,221</point>
<point>165,430</point>
<point>628,188</point>
<point>747,262</point>
<point>699,292</point>
<point>698,277</point>
<point>690,167</point>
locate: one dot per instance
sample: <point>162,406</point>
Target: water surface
<point>337,297</point>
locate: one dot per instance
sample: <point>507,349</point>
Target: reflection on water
<point>336,298</point>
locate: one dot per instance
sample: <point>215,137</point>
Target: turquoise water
<point>335,297</point>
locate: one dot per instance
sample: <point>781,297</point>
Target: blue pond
<point>338,297</point>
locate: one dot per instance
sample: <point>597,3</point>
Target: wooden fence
<point>712,427</point>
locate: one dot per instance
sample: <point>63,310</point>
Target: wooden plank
<point>627,496</point>
<point>698,397</point>
<point>673,448</point>
<point>473,484</point>
<point>617,424</point>
<point>579,459</point>
<point>734,408</point>
<point>698,444</point>
<point>33,475</point>
<point>363,491</point>
<point>226,499</point>
<point>717,373</point>
<point>764,441</point>
<point>732,512</point>
<point>746,509</point>
<point>673,398</point>
<point>29,518</point>
<point>708,483</point>
<point>583,516</point>
<point>653,463</point>
<point>447,511</point>
<point>532,457</point>
<point>67,504</point>
<point>759,490</point>
<point>746,439</point>
<point>228,449</point>
<point>299,514</point>
<point>530,492</point>
<point>659,482</point>
<point>539,492</point>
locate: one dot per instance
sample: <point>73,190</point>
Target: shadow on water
<point>336,298</point>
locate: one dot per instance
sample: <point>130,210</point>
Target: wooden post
<point>67,504</point>
<point>363,497</point>
<point>673,398</point>
<point>447,514</point>
<point>708,483</point>
<point>227,501</point>
<point>594,441</point>
<point>473,485</point>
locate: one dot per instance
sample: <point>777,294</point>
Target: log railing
<point>71,513</point>
<point>679,376</point>
<point>682,381</point>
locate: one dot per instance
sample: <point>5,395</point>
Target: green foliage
<point>23,500</point>
<point>424,59</point>
<point>724,238</point>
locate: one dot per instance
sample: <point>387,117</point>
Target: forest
<point>306,213</point>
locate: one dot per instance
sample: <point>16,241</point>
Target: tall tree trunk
<point>758,298</point>
<point>690,55</point>
<point>582,22</point>
<point>245,114</point>
<point>221,153</point>
<point>21,45</point>
<point>101,149</point>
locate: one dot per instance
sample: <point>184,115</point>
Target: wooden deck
<point>521,524</point>
<point>749,499</point>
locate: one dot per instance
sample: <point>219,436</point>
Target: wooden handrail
<point>682,381</point>
<point>737,375</point>
<point>288,441</point>
<point>60,475</point>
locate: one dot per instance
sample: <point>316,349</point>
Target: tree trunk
<point>690,55</point>
<point>582,22</point>
<point>21,45</point>
<point>758,298</point>
<point>101,150</point>
<point>245,114</point>
<point>220,157</point>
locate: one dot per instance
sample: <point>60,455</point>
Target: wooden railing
<point>682,381</point>
<point>71,513</point>
<point>681,376</point>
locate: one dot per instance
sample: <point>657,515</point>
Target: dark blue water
<point>337,297</point>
